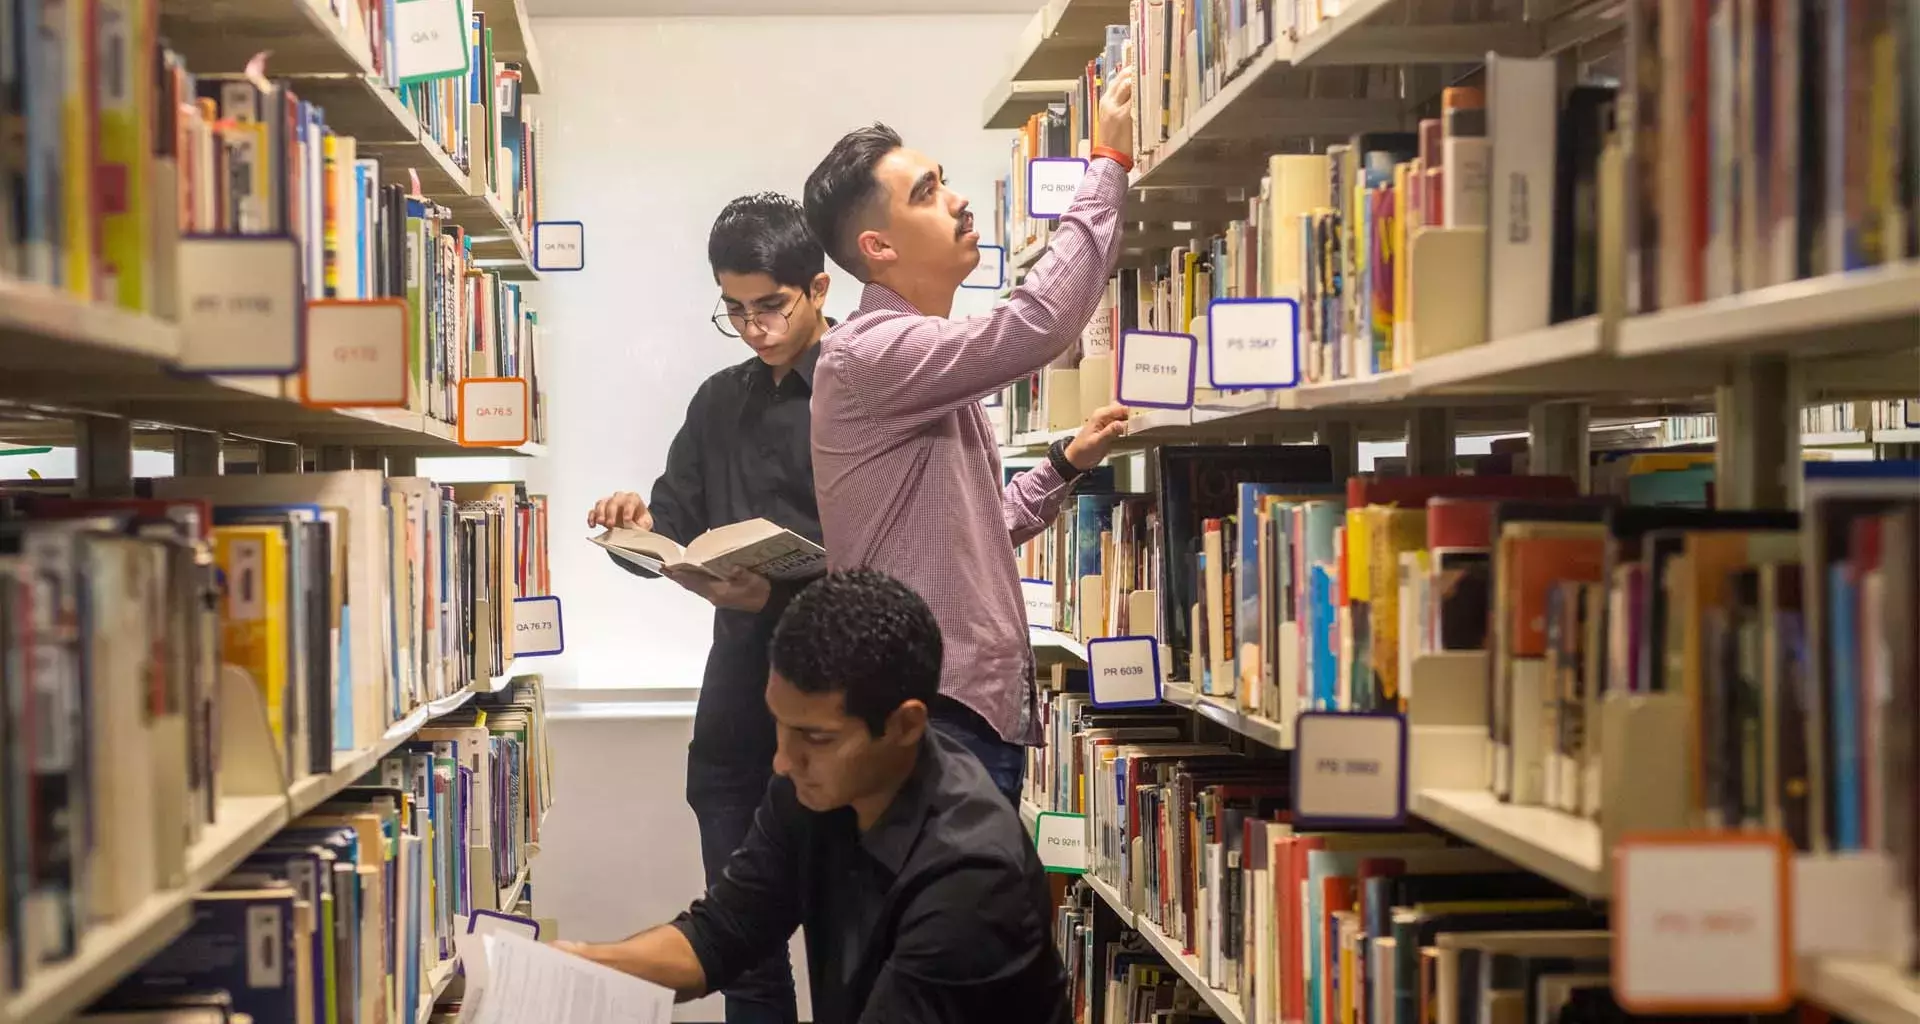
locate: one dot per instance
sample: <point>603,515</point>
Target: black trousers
<point>724,796</point>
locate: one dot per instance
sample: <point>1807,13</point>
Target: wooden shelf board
<point>1860,311</point>
<point>1224,712</point>
<point>108,953</point>
<point>91,335</point>
<point>1062,37</point>
<point>1029,814</point>
<point>1558,846</point>
<point>1051,646</point>
<point>511,894</point>
<point>241,824</point>
<point>1012,102</point>
<point>222,35</point>
<point>1862,992</point>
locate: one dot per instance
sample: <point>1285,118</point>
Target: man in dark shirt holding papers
<point>743,453</point>
<point>906,465</point>
<point>922,897</point>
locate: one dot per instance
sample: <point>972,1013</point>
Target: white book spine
<point>1521,115</point>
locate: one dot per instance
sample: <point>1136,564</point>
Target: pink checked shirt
<point>906,467</point>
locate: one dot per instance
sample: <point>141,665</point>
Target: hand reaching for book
<point>741,592</point>
<point>621,509</point>
<point>1096,437</point>
<point>1116,113</point>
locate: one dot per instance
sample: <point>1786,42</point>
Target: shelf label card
<point>493,412</point>
<point>1702,923</point>
<point>1349,769</point>
<point>537,628</point>
<point>1840,905</point>
<point>1156,369</point>
<point>242,307</point>
<point>430,40</point>
<point>356,353</point>
<point>1062,842</point>
<point>1253,343</point>
<point>1051,183</point>
<point>1038,595</point>
<point>991,272</point>
<point>1124,671</point>
<point>559,245</point>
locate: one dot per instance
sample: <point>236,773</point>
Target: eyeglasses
<point>769,321</point>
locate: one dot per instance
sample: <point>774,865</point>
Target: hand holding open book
<point>756,546</point>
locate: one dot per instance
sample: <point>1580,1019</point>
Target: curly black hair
<point>862,633</point>
<point>766,233</point>
<point>843,185</point>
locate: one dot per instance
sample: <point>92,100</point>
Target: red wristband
<point>1125,161</point>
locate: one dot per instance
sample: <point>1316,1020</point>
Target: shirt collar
<point>802,367</point>
<point>892,837</point>
<point>878,298</point>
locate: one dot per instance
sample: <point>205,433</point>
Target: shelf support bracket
<point>1557,440</point>
<point>1343,440</point>
<point>401,463</point>
<point>370,458</point>
<point>196,453</point>
<point>282,458</point>
<point>333,457</point>
<point>1430,442</point>
<point>1757,454</point>
<point>104,468</point>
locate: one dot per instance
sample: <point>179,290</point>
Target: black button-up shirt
<point>744,452</point>
<point>935,915</point>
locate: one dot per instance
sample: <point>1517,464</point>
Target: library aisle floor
<point>1522,636</point>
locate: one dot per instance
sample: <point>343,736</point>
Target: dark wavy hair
<point>842,186</point>
<point>861,633</point>
<point>766,233</point>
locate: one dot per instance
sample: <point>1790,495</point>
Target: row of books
<point>351,912</point>
<point>152,650</point>
<point>1119,979</point>
<point>1815,420</point>
<point>1766,141</point>
<point>1185,52</point>
<point>1286,923</point>
<point>484,122</point>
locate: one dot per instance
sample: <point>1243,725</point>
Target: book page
<point>721,540</point>
<point>530,983</point>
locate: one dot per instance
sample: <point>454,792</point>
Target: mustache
<point>965,223</point>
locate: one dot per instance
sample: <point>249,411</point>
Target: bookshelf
<point>1781,334</point>
<point>513,40</point>
<point>1223,1003</point>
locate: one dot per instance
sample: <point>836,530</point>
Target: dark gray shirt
<point>936,915</point>
<point>744,452</point>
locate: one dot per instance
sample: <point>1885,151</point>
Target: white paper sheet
<point>525,982</point>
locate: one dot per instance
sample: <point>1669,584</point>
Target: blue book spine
<point>1322,629</point>
<point>238,943</point>
<point>1843,706</point>
<point>44,72</point>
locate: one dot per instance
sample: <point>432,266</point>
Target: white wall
<point>653,124</point>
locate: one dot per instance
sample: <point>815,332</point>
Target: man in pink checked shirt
<point>905,465</point>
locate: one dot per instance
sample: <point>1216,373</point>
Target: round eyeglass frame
<point>724,321</point>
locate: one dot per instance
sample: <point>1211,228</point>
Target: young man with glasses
<point>743,453</point>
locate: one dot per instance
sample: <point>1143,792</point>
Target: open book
<point>756,545</point>
<point>512,979</point>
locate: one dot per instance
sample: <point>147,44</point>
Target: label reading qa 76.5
<point>1051,183</point>
<point>1702,923</point>
<point>1156,369</point>
<point>493,412</point>
<point>537,629</point>
<point>1253,343</point>
<point>1349,769</point>
<point>1124,671</point>
<point>1062,842</point>
<point>1038,595</point>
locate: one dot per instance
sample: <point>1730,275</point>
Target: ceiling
<point>669,8</point>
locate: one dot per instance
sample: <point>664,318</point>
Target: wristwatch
<point>1057,454</point>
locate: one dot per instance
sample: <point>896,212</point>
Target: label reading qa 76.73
<point>537,627</point>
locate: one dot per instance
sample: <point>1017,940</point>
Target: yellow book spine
<point>253,619</point>
<point>125,80</point>
<point>76,123</point>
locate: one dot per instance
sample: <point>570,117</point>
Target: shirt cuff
<point>1048,477</point>
<point>1108,179</point>
<point>703,951</point>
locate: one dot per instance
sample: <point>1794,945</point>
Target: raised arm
<point>912,373</point>
<point>1031,501</point>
